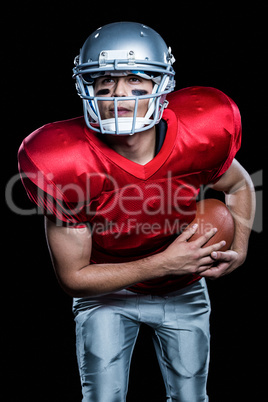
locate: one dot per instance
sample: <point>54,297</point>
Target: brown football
<point>212,213</point>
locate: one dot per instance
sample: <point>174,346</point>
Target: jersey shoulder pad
<point>59,155</point>
<point>209,123</point>
<point>199,106</point>
<point>52,148</point>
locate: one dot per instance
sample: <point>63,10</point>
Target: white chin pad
<point>125,124</point>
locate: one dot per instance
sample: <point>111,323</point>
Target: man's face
<point>130,85</point>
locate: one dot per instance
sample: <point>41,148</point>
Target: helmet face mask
<point>132,49</point>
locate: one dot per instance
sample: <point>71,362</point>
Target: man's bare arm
<point>240,198</point>
<point>70,250</point>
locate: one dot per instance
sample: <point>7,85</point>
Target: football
<point>212,213</point>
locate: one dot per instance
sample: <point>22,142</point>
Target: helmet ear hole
<point>87,79</point>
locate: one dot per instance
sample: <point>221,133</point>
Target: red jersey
<point>134,210</point>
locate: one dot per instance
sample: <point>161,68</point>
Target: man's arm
<point>71,249</point>
<point>240,198</point>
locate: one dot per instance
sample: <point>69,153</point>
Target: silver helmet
<point>119,49</point>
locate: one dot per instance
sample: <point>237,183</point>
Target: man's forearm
<point>241,201</point>
<point>180,258</point>
<point>240,198</point>
<point>70,252</point>
<point>97,279</point>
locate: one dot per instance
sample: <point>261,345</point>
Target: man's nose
<point>120,88</point>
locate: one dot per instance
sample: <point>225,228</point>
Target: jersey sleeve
<point>209,130</point>
<point>234,133</point>
<point>46,181</point>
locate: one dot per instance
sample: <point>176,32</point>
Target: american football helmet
<point>120,49</point>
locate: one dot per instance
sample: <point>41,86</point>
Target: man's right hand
<point>190,257</point>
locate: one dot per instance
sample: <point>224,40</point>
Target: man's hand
<point>225,262</point>
<point>183,257</point>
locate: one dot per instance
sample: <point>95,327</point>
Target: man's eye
<point>107,81</point>
<point>134,79</point>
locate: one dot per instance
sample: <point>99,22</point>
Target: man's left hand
<point>225,263</point>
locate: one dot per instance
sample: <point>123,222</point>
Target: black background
<point>215,44</point>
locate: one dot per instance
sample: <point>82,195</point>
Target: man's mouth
<point>121,111</point>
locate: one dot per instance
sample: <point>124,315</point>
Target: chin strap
<point>124,124</point>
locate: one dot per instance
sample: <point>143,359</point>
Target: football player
<point>118,189</point>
